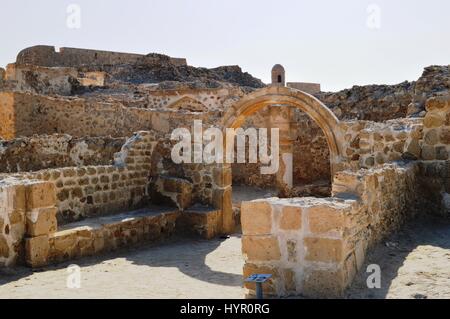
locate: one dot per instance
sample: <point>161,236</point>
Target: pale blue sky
<point>317,41</point>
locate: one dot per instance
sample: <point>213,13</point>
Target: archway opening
<point>283,100</point>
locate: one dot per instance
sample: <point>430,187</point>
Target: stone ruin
<point>85,163</point>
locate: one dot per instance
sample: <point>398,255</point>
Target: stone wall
<point>27,114</point>
<point>50,151</point>
<point>47,56</point>
<point>436,131</point>
<point>26,209</point>
<point>314,247</point>
<point>368,144</point>
<point>30,78</point>
<point>87,191</point>
<point>310,150</point>
<point>311,158</point>
<point>434,178</point>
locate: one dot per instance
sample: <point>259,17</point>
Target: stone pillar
<point>280,117</point>
<point>12,222</point>
<point>40,222</point>
<point>222,196</point>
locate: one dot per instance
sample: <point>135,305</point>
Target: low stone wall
<point>436,132</point>
<point>25,114</point>
<point>27,209</point>
<point>434,178</point>
<point>30,78</point>
<point>314,247</point>
<point>49,151</point>
<point>370,144</point>
<point>93,190</point>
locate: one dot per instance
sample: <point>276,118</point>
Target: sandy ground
<point>415,263</point>
<point>178,269</point>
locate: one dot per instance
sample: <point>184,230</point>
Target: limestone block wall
<point>311,155</point>
<point>314,247</point>
<point>35,79</point>
<point>369,144</point>
<point>57,150</point>
<point>93,190</point>
<point>27,209</point>
<point>12,217</point>
<point>25,114</point>
<point>199,100</point>
<point>43,55</point>
<point>434,177</point>
<point>436,131</point>
<point>200,175</point>
<point>302,242</point>
<point>387,196</point>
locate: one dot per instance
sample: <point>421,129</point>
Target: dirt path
<point>415,263</point>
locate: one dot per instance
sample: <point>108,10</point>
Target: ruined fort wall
<point>73,57</point>
<point>314,247</point>
<point>385,102</point>
<point>42,80</point>
<point>51,151</point>
<point>370,144</point>
<point>86,191</point>
<point>28,114</point>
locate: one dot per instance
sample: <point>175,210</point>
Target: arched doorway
<point>279,96</point>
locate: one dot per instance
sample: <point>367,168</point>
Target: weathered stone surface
<point>323,283</point>
<point>323,249</point>
<point>41,221</point>
<point>256,218</point>
<point>37,251</point>
<point>291,218</point>
<point>433,120</point>
<point>261,248</point>
<point>40,194</point>
<point>201,222</point>
<point>324,219</point>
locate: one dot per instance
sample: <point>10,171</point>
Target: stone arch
<point>189,104</point>
<point>281,96</point>
<point>275,95</point>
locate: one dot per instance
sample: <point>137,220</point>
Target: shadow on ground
<point>405,258</point>
<point>188,255</point>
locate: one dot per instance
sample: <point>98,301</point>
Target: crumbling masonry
<point>85,163</point>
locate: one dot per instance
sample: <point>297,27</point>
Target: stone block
<point>16,197</point>
<point>261,248</point>
<point>323,249</point>
<point>291,218</point>
<point>41,221</point>
<point>433,120</point>
<point>428,152</point>
<point>204,223</point>
<point>323,283</point>
<point>40,194</point>
<point>37,251</point>
<point>65,242</point>
<point>431,137</point>
<point>324,219</point>
<point>256,218</point>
